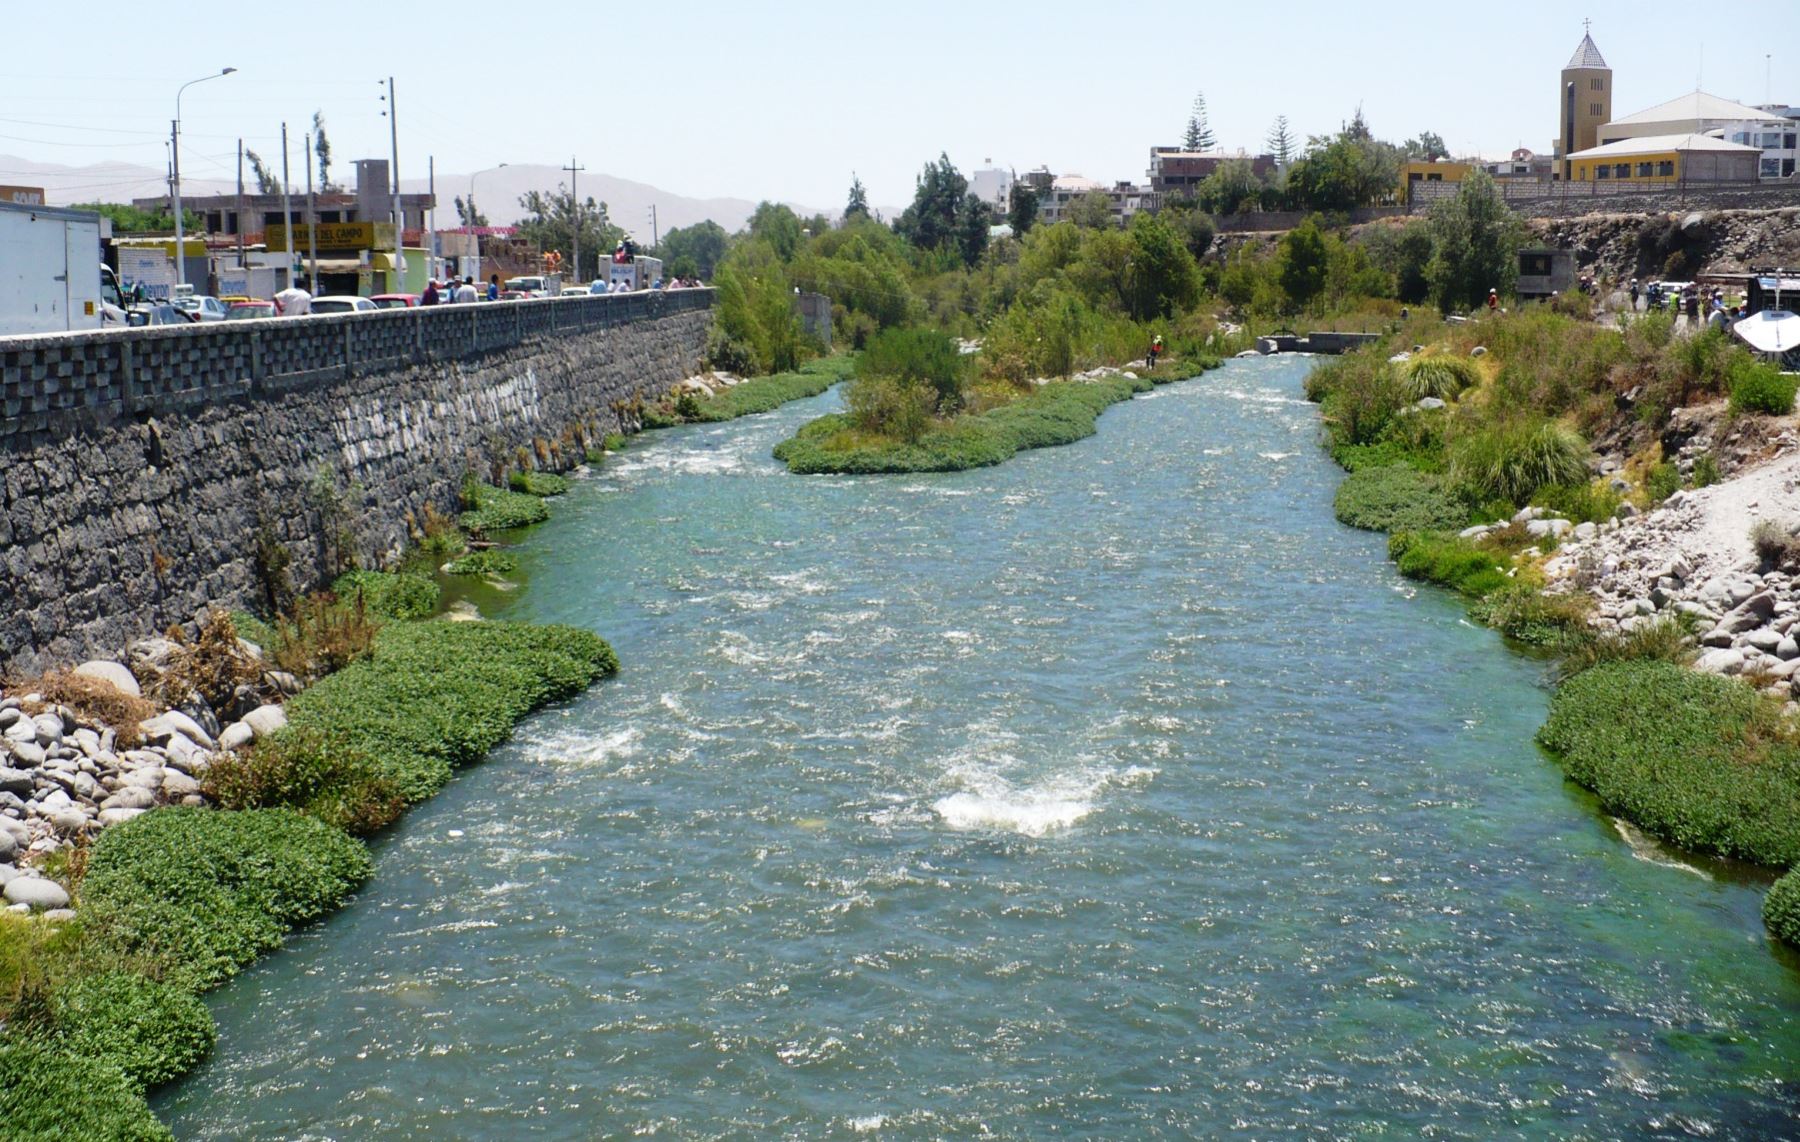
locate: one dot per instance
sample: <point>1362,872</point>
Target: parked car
<point>342,303</point>
<point>156,313</point>
<point>395,300</point>
<point>249,308</point>
<point>200,307</point>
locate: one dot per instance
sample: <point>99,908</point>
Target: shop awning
<point>338,265</point>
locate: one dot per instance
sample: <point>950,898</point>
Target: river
<point>1117,791</point>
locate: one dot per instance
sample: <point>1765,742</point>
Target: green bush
<point>496,509</point>
<point>1760,387</point>
<point>1398,498</point>
<point>538,484</point>
<point>1663,481</point>
<point>322,774</point>
<point>1359,396</point>
<point>1440,376</point>
<point>199,893</point>
<point>1512,461</point>
<point>389,594</point>
<point>760,394</point>
<point>1525,614</point>
<point>1447,560</point>
<point>486,562</point>
<point>1706,470</point>
<point>1060,412</point>
<point>918,357</point>
<point>1583,503</point>
<point>150,1031</point>
<point>433,696</point>
<point>50,1095</point>
<point>1702,761</point>
<point>1669,638</point>
<point>1781,908</point>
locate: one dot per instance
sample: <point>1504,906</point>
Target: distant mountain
<point>497,192</point>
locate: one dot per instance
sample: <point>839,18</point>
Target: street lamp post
<point>471,209</point>
<point>175,160</point>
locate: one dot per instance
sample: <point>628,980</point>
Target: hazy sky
<point>783,101</point>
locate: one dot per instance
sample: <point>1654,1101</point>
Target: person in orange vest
<point>1493,300</point>
<point>1156,348</point>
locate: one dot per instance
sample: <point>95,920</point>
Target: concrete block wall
<point>138,468</point>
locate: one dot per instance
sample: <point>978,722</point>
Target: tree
<point>466,214</point>
<point>266,183</point>
<point>1163,278</point>
<point>1232,187</point>
<point>858,206</point>
<point>1475,240</point>
<point>1404,253</point>
<point>128,219</point>
<point>1281,141</point>
<point>1358,128</point>
<point>1304,260</point>
<point>1195,226</point>
<point>1199,135</point>
<point>1426,146</point>
<point>779,227</point>
<point>322,148</point>
<point>552,221</point>
<point>755,311</point>
<point>1092,211</point>
<point>703,243</point>
<point>930,222</point>
<point>1022,208</point>
<point>1344,171</point>
<point>973,218</point>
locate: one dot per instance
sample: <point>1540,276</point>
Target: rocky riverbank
<point>85,750</point>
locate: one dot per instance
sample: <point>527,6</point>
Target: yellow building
<point>1586,102</point>
<point>1414,173</point>
<point>1666,159</point>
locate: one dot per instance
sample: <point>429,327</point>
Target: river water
<point>1114,792</point>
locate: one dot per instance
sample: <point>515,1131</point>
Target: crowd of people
<point>453,292</point>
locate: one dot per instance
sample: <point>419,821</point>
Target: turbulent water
<point>1114,792</point>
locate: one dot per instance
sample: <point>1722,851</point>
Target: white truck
<point>641,272</point>
<point>50,271</point>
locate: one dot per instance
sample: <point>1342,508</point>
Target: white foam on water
<point>989,799</point>
<point>1651,851</point>
<point>867,1123</point>
<point>1277,456</point>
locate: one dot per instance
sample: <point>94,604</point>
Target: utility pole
<point>312,217</point>
<point>431,218</point>
<point>575,201</point>
<point>399,218</point>
<point>655,238</point>
<point>240,214</point>
<point>287,214</point>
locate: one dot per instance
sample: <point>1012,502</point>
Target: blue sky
<point>784,101</point>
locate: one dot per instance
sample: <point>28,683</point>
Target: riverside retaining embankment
<point>147,474</point>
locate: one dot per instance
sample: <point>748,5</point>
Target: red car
<point>395,300</point>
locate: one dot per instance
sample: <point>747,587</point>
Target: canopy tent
<point>1774,331</point>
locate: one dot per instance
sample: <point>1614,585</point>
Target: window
<point>1787,142</point>
<point>1742,138</point>
<point>1534,265</point>
<point>1771,168</point>
<point>1644,170</point>
<point>1621,170</point>
<point>1602,171</point>
<point>1769,140</point>
<point>1595,111</point>
<point>1787,167</point>
<point>1666,169</point>
<point>1597,84</point>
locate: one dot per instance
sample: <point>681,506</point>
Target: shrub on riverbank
<point>486,562</point>
<point>389,594</point>
<point>1760,387</point>
<point>759,394</point>
<point>1510,462</point>
<point>196,894</point>
<point>433,696</point>
<point>1448,560</point>
<point>324,775</point>
<point>1781,908</point>
<point>50,1095</point>
<point>1702,761</point>
<point>149,1030</point>
<point>1398,497</point>
<point>1439,375</point>
<point>1524,614</point>
<point>539,484</point>
<point>1060,412</point>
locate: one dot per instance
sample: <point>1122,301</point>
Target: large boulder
<point>36,892</point>
<point>265,720</point>
<point>118,676</point>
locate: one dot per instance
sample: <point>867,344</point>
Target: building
<point>1414,173</point>
<point>1126,198</point>
<point>1666,159</point>
<point>1585,104</point>
<point>1544,271</point>
<point>993,186</point>
<point>1174,171</point>
<point>227,215</point>
<point>1522,166</point>
<point>1698,113</point>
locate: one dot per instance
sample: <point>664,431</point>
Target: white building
<point>1126,199</point>
<point>993,186</point>
<point>1698,113</point>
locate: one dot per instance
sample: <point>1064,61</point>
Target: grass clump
<point>1702,761</point>
<point>1583,503</point>
<point>199,893</point>
<point>489,509</point>
<point>540,484</point>
<point>1060,412</point>
<point>320,773</point>
<point>1663,481</point>
<point>1447,560</point>
<point>1440,376</point>
<point>1398,498</point>
<point>1757,386</point>
<point>433,696</point>
<point>1524,614</point>
<point>746,398</point>
<point>1512,461</point>
<point>1781,908</point>
<point>50,1095</point>
<point>486,562</point>
<point>150,1031</point>
<point>389,594</point>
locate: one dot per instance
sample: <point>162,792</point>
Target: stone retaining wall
<point>141,470</point>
